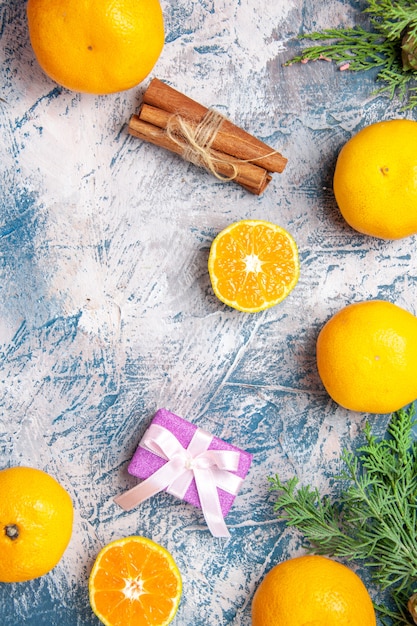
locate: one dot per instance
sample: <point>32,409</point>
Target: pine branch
<point>314,516</point>
<point>392,17</point>
<point>356,46</point>
<point>391,47</point>
<point>375,518</point>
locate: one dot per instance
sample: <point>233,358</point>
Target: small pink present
<point>189,463</point>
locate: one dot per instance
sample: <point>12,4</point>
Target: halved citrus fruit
<point>253,265</point>
<point>135,581</point>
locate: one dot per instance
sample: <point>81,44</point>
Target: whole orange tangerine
<point>36,516</point>
<point>367,355</point>
<point>312,590</point>
<point>96,46</point>
<point>375,179</point>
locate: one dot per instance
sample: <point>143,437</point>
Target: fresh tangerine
<point>367,355</point>
<point>253,265</point>
<point>375,179</point>
<point>36,517</point>
<point>134,581</point>
<point>96,46</point>
<point>312,590</point>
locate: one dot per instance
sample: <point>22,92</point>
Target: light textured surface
<point>106,309</point>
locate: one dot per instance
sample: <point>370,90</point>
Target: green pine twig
<point>374,519</point>
<point>392,17</point>
<point>356,46</point>
<point>391,48</point>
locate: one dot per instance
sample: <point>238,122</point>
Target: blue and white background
<point>106,308</point>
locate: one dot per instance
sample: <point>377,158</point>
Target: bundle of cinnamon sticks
<point>169,119</point>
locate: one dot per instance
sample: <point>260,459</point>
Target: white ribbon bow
<point>209,468</point>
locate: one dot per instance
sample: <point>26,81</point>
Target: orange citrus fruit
<point>375,180</point>
<point>36,516</point>
<point>96,46</point>
<point>253,265</point>
<point>312,590</point>
<point>135,581</point>
<point>367,355</point>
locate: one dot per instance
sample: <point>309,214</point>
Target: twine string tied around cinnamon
<point>196,141</point>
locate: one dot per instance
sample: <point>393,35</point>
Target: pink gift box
<point>144,463</point>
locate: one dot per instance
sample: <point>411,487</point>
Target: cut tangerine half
<point>135,581</point>
<point>253,265</point>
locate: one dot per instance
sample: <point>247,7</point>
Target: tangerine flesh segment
<point>253,265</point>
<point>114,561</point>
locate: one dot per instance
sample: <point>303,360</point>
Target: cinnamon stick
<point>250,176</point>
<point>230,139</point>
